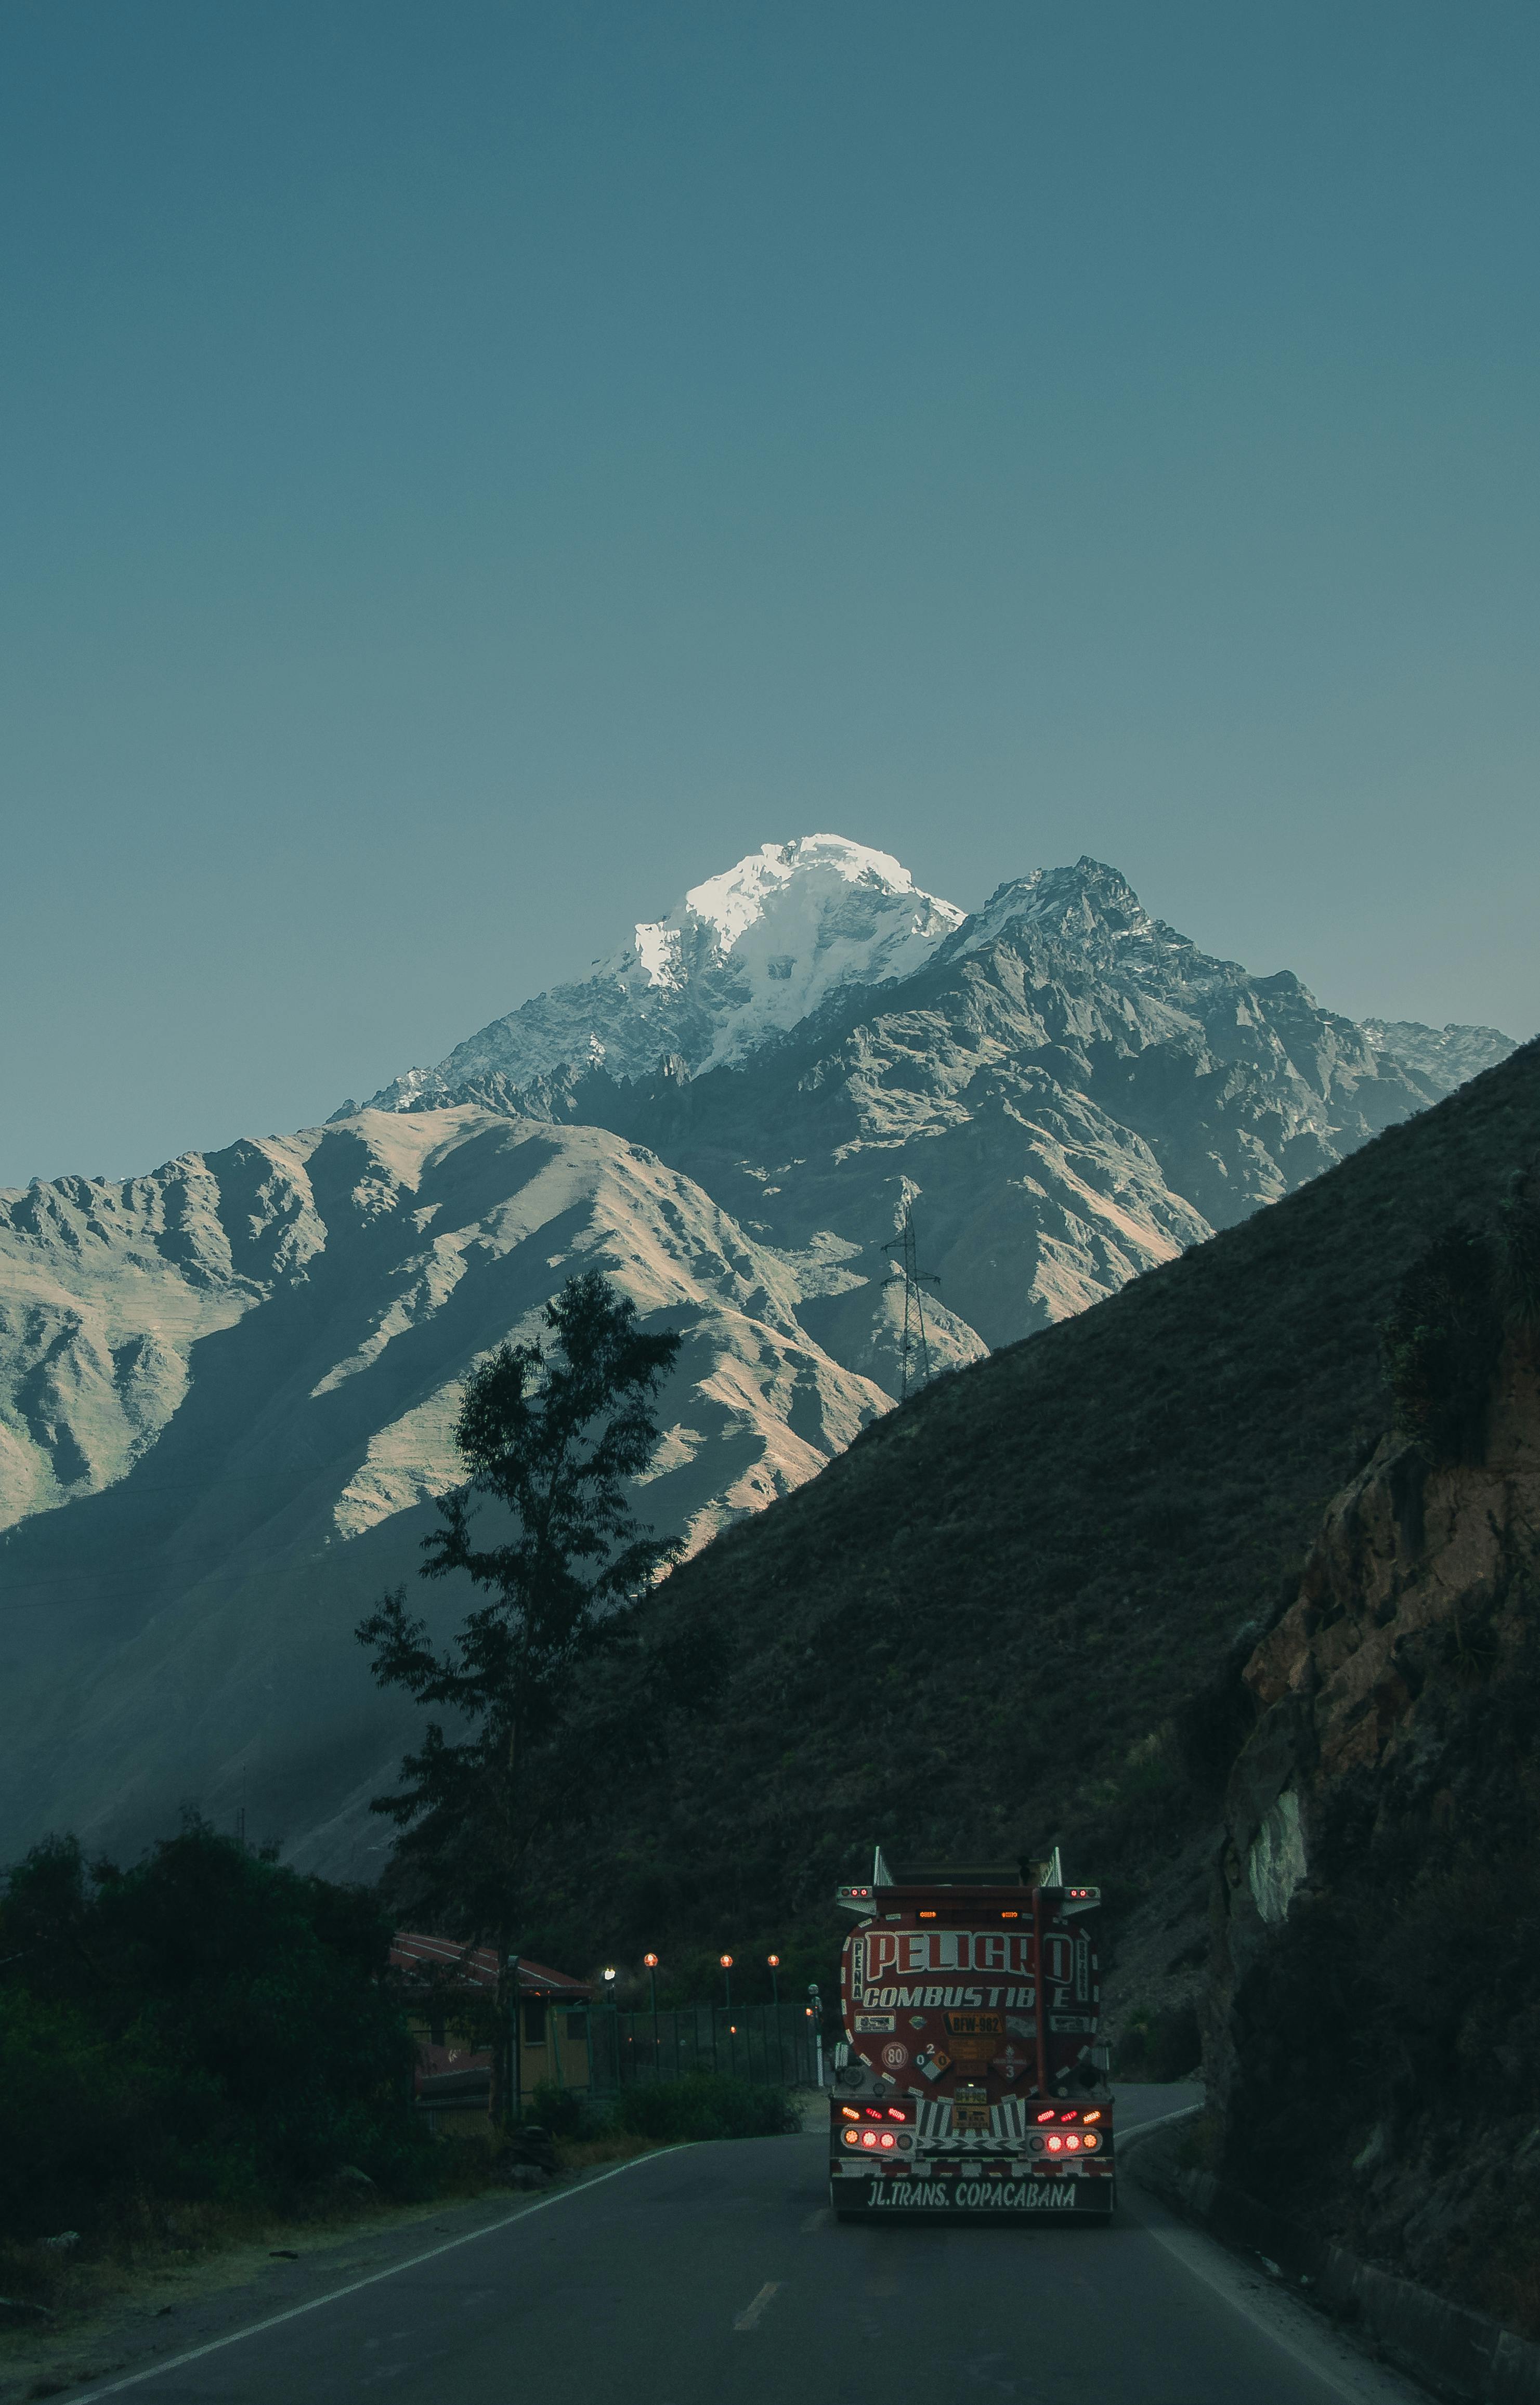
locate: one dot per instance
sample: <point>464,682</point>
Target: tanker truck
<point>969,2080</point>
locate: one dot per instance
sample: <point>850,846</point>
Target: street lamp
<point>726,1960</point>
<point>774,1962</point>
<point>608,1982</point>
<point>651,1962</point>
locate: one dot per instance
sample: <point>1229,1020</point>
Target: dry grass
<point>609,2147</point>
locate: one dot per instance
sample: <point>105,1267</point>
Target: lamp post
<point>651,1962</point>
<point>774,1962</point>
<point>615,2018</point>
<point>727,1975</point>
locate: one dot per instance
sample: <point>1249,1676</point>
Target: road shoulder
<point>176,2307</point>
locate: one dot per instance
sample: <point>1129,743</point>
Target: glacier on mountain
<point>742,958</point>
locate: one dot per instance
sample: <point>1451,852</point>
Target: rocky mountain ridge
<point>226,1388</point>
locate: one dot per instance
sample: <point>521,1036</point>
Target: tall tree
<point>549,1431</point>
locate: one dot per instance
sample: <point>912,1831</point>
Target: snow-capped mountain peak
<point>743,957</point>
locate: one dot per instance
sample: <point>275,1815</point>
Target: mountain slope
<point>980,1624</point>
<point>313,1305</point>
<point>226,1389</point>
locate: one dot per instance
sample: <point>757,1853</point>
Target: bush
<point>207,2025</point>
<point>561,2110</point>
<point>1441,1342</point>
<point>703,2106</point>
<point>1161,2045</point>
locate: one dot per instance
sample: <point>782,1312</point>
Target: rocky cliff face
<point>1375,2033</point>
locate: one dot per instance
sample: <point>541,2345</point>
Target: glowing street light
<point>726,1960</point>
<point>651,1962</point>
<point>774,1962</point>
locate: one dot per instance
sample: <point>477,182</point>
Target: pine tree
<point>549,1432</point>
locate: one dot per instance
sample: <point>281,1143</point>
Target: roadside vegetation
<point>189,2049</point>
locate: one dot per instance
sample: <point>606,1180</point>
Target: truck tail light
<point>1055,2144</point>
<point>1090,2142</point>
<point>851,2137</point>
<point>870,2138</point>
<point>1072,2144</point>
<point>887,2139</point>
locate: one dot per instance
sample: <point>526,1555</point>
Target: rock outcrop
<point>1375,2025</point>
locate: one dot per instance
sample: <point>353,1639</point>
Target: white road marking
<point>1323,2353</point>
<point>750,2313</point>
<point>174,2363</point>
<point>1124,2137</point>
<point>1357,2382</point>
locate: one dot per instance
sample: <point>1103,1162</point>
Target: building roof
<point>476,1966</point>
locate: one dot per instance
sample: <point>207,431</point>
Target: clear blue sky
<point>471,471</point>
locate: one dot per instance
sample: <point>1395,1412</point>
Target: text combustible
<point>929,1999</point>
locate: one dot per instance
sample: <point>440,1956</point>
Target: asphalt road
<point>717,2273</point>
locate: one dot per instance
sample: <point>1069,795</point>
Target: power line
<point>915,1280</point>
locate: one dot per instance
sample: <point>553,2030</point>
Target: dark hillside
<point>987,1621</point>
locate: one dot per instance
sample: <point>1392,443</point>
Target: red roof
<point>477,1967</point>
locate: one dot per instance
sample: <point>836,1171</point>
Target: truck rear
<point>971,2080</point>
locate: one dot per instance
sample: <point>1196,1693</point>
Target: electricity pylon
<point>914,1281</point>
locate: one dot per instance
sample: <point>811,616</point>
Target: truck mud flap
<point>974,2200</point>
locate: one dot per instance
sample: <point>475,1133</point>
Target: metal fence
<point>773,2044</point>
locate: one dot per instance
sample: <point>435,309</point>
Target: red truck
<point>971,2080</point>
